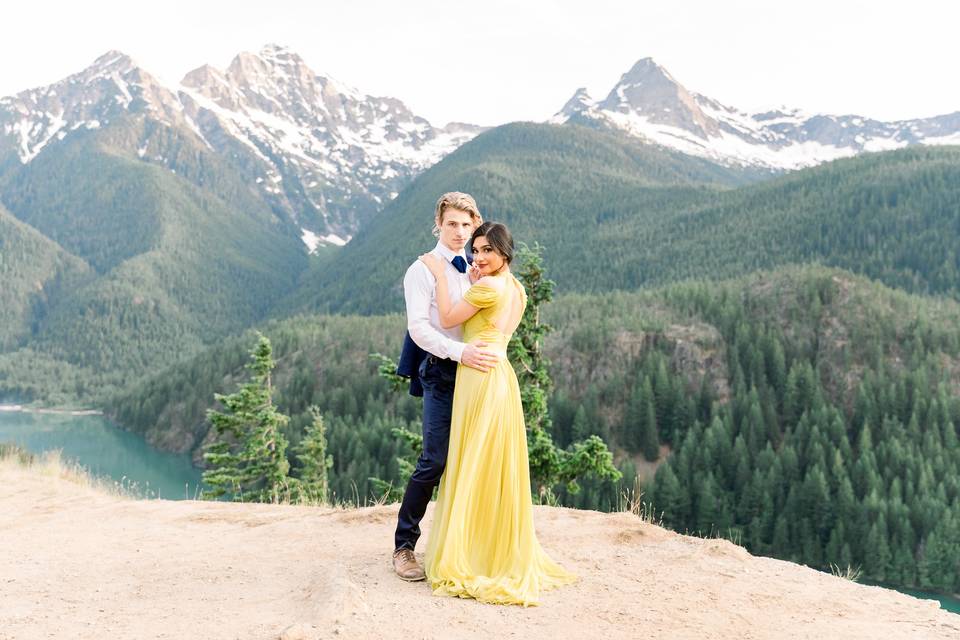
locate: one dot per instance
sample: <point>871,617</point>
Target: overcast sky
<point>496,61</point>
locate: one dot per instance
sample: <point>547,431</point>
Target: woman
<point>482,541</point>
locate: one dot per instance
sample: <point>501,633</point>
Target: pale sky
<point>497,61</point>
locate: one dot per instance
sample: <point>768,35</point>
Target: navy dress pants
<point>437,377</point>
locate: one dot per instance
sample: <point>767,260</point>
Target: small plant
<point>850,573</point>
<point>387,369</point>
<point>631,501</point>
<point>8,450</point>
<point>733,534</point>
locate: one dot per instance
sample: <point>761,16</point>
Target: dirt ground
<point>78,562</point>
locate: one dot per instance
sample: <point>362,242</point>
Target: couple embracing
<point>460,318</point>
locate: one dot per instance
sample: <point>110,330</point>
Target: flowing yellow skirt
<point>482,541</point>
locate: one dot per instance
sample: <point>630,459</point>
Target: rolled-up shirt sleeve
<point>418,288</point>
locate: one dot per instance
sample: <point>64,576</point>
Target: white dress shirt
<point>423,316</point>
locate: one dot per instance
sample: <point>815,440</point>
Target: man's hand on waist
<point>477,356</point>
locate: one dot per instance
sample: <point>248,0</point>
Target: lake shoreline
<point>102,448</point>
<point>19,408</point>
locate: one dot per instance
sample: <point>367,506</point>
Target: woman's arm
<point>450,315</point>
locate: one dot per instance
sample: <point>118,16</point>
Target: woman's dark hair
<point>498,236</point>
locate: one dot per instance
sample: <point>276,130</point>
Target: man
<point>429,358</point>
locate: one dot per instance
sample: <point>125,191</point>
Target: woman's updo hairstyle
<point>498,236</point>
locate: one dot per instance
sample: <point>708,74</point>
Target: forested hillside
<point>613,218</point>
<point>177,263</point>
<point>34,271</point>
<point>893,216</point>
<point>187,256</point>
<point>570,188</point>
<point>806,409</point>
<point>838,445</point>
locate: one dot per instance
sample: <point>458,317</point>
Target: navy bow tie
<point>459,263</point>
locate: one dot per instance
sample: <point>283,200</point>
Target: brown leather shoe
<point>406,565</point>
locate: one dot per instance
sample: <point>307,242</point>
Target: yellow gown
<point>482,541</point>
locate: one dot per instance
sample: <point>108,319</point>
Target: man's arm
<point>418,286</point>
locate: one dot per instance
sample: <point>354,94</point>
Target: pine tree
<point>581,425</point>
<point>648,432</point>
<point>641,422</point>
<point>878,557</point>
<point>632,416</point>
<point>314,485</point>
<point>708,506</point>
<point>669,498</point>
<point>248,459</point>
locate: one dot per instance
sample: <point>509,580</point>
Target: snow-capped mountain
<point>318,151</point>
<point>110,88</point>
<point>319,142</point>
<point>649,103</point>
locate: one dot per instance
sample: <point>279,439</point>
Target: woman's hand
<point>474,273</point>
<point>433,263</point>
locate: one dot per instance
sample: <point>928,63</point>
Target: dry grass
<point>52,464</point>
<point>631,501</point>
<point>850,573</point>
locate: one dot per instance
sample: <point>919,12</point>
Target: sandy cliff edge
<point>78,562</point>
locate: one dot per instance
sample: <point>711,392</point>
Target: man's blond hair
<point>456,200</point>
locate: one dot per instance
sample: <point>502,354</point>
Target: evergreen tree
<point>640,422</point>
<point>648,432</point>
<point>314,485</point>
<point>669,499</point>
<point>248,459</point>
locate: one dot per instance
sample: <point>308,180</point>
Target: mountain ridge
<point>318,151</point>
<point>615,227</point>
<point>649,103</point>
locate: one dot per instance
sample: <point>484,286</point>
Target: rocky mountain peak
<point>280,55</point>
<point>203,76</point>
<point>649,92</point>
<point>322,142</point>
<point>113,60</point>
<point>646,68</point>
<point>112,86</point>
<point>211,83</point>
<point>273,66</point>
<point>646,82</point>
<point>579,102</point>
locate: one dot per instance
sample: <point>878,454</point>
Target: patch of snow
<point>952,138</point>
<point>727,148</point>
<point>122,85</point>
<point>332,238</point>
<point>313,241</point>
<point>883,144</point>
<point>310,239</point>
<point>34,138</point>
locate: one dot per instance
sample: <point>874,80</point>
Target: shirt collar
<point>447,254</point>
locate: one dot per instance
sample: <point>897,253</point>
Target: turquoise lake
<point>104,450</point>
